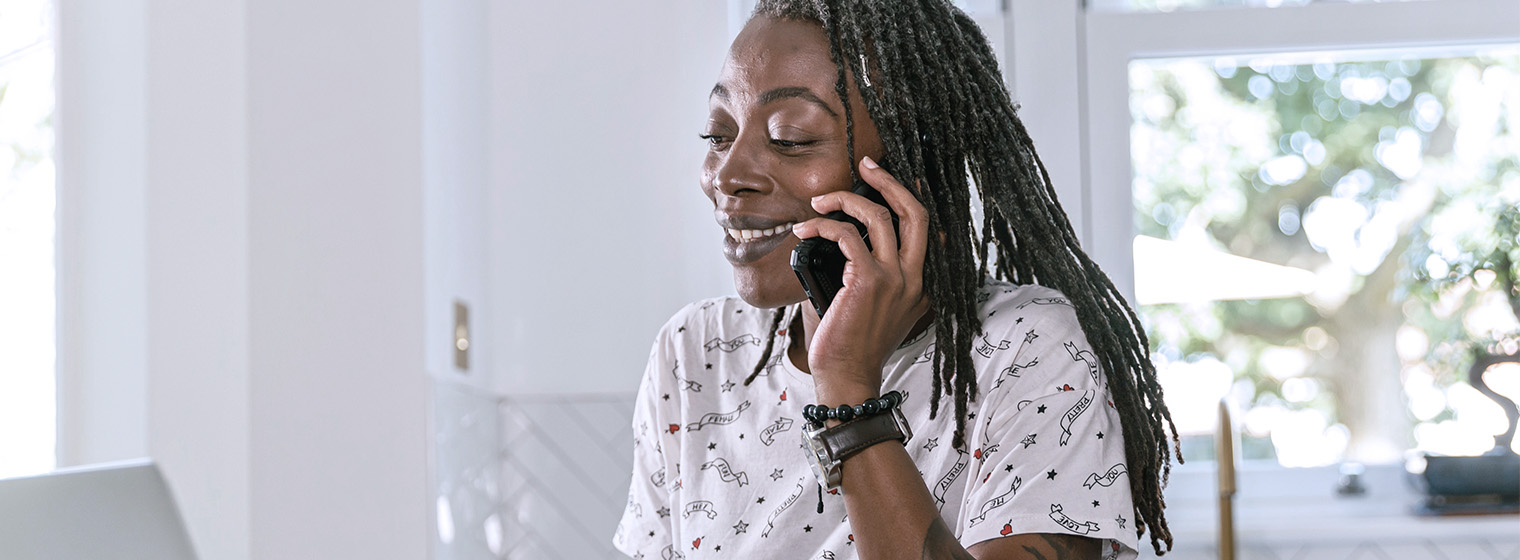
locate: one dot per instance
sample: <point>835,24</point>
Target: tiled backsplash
<point>560,466</point>
<point>547,477</point>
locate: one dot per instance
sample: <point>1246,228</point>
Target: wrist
<point>835,393</point>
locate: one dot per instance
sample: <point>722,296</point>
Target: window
<point>1307,233</point>
<point>27,423</point>
<point>1281,156</point>
<point>1175,5</point>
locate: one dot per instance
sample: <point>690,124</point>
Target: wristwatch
<point>829,447</point>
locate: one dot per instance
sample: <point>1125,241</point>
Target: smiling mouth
<point>746,235</point>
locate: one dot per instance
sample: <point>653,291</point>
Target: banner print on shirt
<point>1037,383</point>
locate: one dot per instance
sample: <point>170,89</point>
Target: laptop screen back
<point>120,511</point>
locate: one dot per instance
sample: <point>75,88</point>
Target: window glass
<point>1177,5</point>
<point>1326,241</point>
<point>27,425</point>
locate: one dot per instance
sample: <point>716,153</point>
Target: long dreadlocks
<point>931,84</point>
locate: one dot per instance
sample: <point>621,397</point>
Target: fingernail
<point>868,162</point>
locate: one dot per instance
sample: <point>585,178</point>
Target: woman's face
<point>776,133</point>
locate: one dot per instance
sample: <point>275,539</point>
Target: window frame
<point>1103,211</point>
<point>1113,39</point>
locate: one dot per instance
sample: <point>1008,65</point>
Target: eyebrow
<point>780,93</point>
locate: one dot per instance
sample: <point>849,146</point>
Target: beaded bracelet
<point>817,414</point>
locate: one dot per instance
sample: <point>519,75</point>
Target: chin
<point>767,290</point>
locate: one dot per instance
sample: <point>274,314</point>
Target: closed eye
<point>714,140</point>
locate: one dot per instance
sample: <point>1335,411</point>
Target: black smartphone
<point>819,263</point>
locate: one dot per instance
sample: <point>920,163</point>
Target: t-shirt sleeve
<point>643,530</point>
<point>1052,452</point>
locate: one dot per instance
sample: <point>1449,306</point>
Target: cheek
<point>814,182</point>
<point>705,180</point>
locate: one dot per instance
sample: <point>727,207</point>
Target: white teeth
<point>753,234</point>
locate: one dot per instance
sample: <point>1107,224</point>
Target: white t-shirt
<point>720,472</point>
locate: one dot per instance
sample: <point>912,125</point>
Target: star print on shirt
<point>1100,435</point>
<point>1095,503</point>
<point>1028,440</point>
<point>807,529</point>
<point>709,366</point>
<point>664,512</point>
<point>1120,519</point>
<point>933,443</point>
<point>961,496</point>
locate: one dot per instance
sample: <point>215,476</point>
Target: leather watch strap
<point>851,437</point>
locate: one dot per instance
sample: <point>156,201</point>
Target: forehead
<point>771,53</point>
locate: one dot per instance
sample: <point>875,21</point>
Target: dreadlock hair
<point>931,84</point>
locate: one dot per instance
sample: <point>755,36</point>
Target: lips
<point>756,234</point>
<point>749,238</point>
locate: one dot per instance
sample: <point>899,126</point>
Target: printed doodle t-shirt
<point>720,471</point>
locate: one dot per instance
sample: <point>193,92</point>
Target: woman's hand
<point>883,294</point>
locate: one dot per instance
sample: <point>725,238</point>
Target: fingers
<point>913,220</point>
<point>850,243</point>
<point>877,219</point>
<point>907,259</point>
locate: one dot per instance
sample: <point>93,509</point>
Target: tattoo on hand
<point>940,544</point>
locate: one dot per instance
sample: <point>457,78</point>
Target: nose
<point>740,171</point>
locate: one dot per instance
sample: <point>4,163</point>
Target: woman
<point>1037,426</point>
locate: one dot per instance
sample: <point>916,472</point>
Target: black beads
<point>844,413</point>
<point>871,406</point>
<point>818,414</point>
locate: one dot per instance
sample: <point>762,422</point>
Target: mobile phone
<point>819,263</point>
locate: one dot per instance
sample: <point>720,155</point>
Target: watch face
<point>825,469</point>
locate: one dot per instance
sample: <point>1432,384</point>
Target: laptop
<point>116,510</point>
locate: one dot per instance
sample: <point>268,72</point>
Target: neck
<point>809,319</point>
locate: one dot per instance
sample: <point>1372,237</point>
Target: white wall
<point>597,228</point>
<point>198,271</point>
<point>102,267</point>
<point>455,163</point>
<point>337,396</point>
<point>241,266</point>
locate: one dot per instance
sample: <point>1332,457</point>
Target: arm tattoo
<point>939,544</point>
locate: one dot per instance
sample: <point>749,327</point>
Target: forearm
<point>891,512</point>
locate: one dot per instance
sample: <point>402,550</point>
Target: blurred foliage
<point>1395,181</point>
